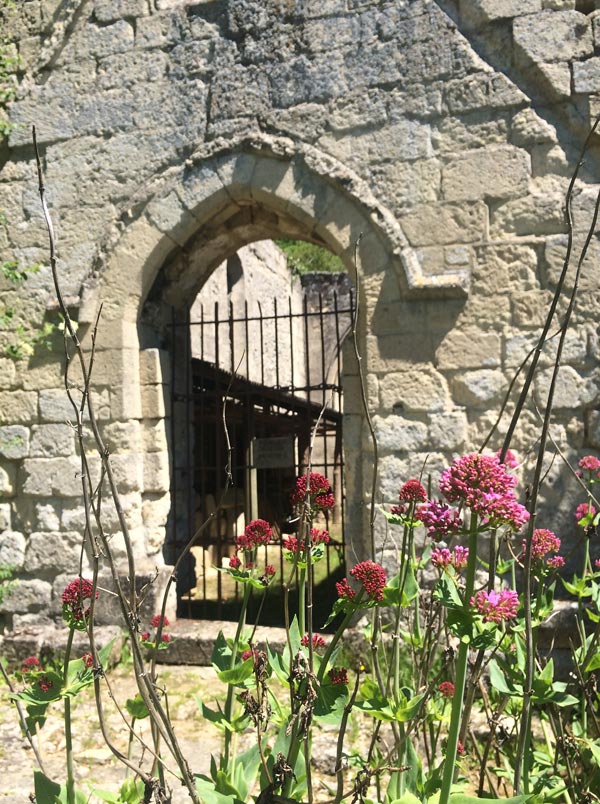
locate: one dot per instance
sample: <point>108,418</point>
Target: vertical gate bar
<point>218,447</point>
<point>173,442</point>
<point>324,401</point>
<point>201,452</point>
<point>276,318</point>
<point>262,343</point>
<point>292,386</point>
<point>189,414</point>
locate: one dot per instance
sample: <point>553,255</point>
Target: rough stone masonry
<point>173,132</point>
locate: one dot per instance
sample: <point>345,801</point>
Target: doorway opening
<point>256,398</point>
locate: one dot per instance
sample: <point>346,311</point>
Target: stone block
<point>554,78</point>
<point>14,442</point>
<point>475,130</point>
<point>395,470</point>
<point>47,516</point>
<point>539,213</point>
<point>553,36</point>
<point>436,224</point>
<point>5,518</point>
<point>404,184</point>
<point>530,309</point>
<point>417,389</point>
<point>572,389</point>
<point>55,477</point>
<point>154,403</point>
<point>18,407</point>
<point>397,434</point>
<point>156,472</point>
<point>103,41</point>
<point>500,268</point>
<point>28,596</point>
<point>155,510</point>
<point>8,479</point>
<point>155,367</point>
<point>491,173</point>
<point>128,471</point>
<point>483,90</point>
<point>449,430</point>
<point>111,10</point>
<point>43,373</point>
<point>8,372</point>
<point>586,75</point>
<point>55,406</point>
<point>126,401</point>
<point>527,128</point>
<point>154,435</point>
<point>72,516</point>
<point>469,348</point>
<point>476,11</point>
<point>12,549</point>
<point>47,553</point>
<point>479,389</point>
<point>592,426</point>
<point>123,436</point>
<point>52,440</point>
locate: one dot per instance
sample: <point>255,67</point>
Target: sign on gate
<point>274,453</point>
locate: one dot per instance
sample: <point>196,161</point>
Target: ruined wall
<point>175,132</point>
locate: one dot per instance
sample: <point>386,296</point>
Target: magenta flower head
<point>473,475</point>
<point>338,675</point>
<point>441,521</point>
<point>510,459</point>
<point>442,558</point>
<point>543,542</point>
<point>158,620</point>
<point>447,689</point>
<point>256,532</point>
<point>496,607</point>
<point>317,641</point>
<point>502,509</point>
<point>320,495</point>
<point>372,578</point>
<point>584,513</point>
<point>30,665</point>
<point>74,610</point>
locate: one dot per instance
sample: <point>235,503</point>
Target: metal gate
<point>272,375</point>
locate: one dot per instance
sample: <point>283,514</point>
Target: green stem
<point>302,598</point>
<point>67,719</point>
<point>336,637</point>
<point>226,759</point>
<point>461,675</point>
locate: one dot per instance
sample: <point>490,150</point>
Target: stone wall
<point>175,132</point>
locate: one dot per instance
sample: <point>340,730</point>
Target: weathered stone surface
<point>528,128</point>
<point>572,389</point>
<point>531,309</point>
<point>482,91</point>
<point>28,595</point>
<point>18,407</point>
<point>47,516</point>
<point>469,349</point>
<point>586,75</point>
<point>449,430</point>
<point>549,36</point>
<point>61,477</point>
<point>414,390</point>
<point>52,440</point>
<point>498,268</point>
<point>540,213</point>
<point>490,10</point>
<point>8,479</point>
<point>12,549</point>
<point>155,368</point>
<point>55,406</point>
<point>492,173</point>
<point>154,435</point>
<point>128,471</point>
<point>479,389</point>
<point>14,442</point>
<point>5,518</point>
<point>397,434</point>
<point>439,224</point>
<point>156,472</point>
<point>111,10</point>
<point>48,552</point>
<point>123,436</point>
<point>593,428</point>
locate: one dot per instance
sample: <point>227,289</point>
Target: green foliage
<point>304,257</point>
<point>7,582</point>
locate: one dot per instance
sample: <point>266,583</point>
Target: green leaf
<point>407,798</point>
<point>49,792</point>
<point>330,703</point>
<point>410,590</point>
<point>136,707</point>
<point>221,654</point>
<point>447,593</point>
<point>238,674</point>
<point>408,709</point>
<point>35,695</point>
<point>206,790</point>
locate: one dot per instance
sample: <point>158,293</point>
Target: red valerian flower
<point>249,654</point>
<point>444,558</point>
<point>166,637</point>
<point>88,660</point>
<point>320,495</point>
<point>145,636</point>
<point>45,683</point>
<point>73,597</point>
<point>317,641</point>
<point>584,511</point>
<point>344,590</point>
<point>496,607</point>
<point>412,491</point>
<point>255,533</point>
<point>447,689</point>
<point>234,562</point>
<point>543,541</point>
<point>269,570</point>
<point>372,578</point>
<point>30,664</point>
<point>338,675</point>
<point>158,620</point>
<point>510,459</point>
<point>555,562</point>
<point>441,521</point>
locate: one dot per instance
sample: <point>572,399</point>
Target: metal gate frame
<point>290,406</point>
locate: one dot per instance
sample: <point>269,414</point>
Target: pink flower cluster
<point>442,558</point>
<point>30,665</point>
<point>482,483</point>
<point>255,533</point>
<point>441,521</point>
<point>412,491</point>
<point>496,607</point>
<point>589,463</point>
<point>320,495</point>
<point>543,542</point>
<point>584,511</point>
<point>344,590</point>
<point>73,600</point>
<point>447,689</point>
<point>157,621</point>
